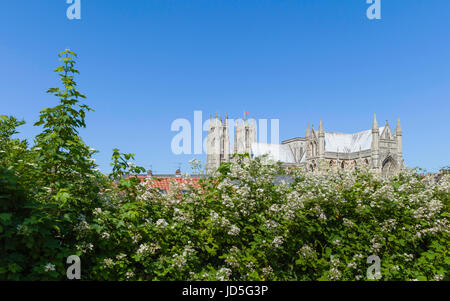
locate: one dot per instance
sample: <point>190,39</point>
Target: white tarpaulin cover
<point>334,142</point>
<point>276,152</point>
<point>348,143</point>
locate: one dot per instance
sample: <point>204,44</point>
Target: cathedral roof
<point>276,152</point>
<point>349,143</point>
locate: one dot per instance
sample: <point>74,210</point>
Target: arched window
<point>389,167</point>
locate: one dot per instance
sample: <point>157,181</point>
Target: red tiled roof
<point>164,182</point>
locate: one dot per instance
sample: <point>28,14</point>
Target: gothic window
<point>343,165</point>
<point>389,167</point>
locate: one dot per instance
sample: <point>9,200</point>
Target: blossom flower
<point>223,274</point>
<point>278,241</point>
<point>108,262</point>
<point>97,211</point>
<point>49,267</point>
<point>234,231</point>
<point>129,274</point>
<point>161,223</point>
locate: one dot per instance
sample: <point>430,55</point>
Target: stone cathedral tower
<point>218,148</point>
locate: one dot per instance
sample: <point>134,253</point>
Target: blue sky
<point>146,63</point>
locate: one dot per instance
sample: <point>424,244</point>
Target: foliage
<point>250,220</point>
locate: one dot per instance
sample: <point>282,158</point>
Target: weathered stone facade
<point>379,148</point>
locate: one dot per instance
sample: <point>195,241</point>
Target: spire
<point>398,128</point>
<point>307,130</point>
<point>321,131</point>
<point>375,123</point>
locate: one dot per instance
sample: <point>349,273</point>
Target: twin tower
<point>218,146</point>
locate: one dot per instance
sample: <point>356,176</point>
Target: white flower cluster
<point>129,274</point>
<point>97,211</point>
<point>85,247</point>
<point>389,225</point>
<point>377,243</point>
<point>234,231</point>
<point>220,221</point>
<point>348,222</point>
<point>232,257</point>
<point>408,257</point>
<point>181,216</point>
<point>136,238</point>
<point>334,273</point>
<point>179,260</point>
<point>148,249</point>
<point>223,274</point>
<point>429,210</point>
<point>22,229</point>
<point>108,262</point>
<point>278,241</point>
<point>306,251</point>
<point>49,267</point>
<point>161,223</point>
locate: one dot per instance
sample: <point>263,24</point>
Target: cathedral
<point>379,149</point>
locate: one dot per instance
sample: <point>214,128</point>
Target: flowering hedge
<point>251,220</point>
<point>241,225</point>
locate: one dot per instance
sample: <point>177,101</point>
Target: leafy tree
<point>66,159</point>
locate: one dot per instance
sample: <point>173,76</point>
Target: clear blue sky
<point>145,63</point>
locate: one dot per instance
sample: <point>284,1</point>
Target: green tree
<point>65,159</point>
